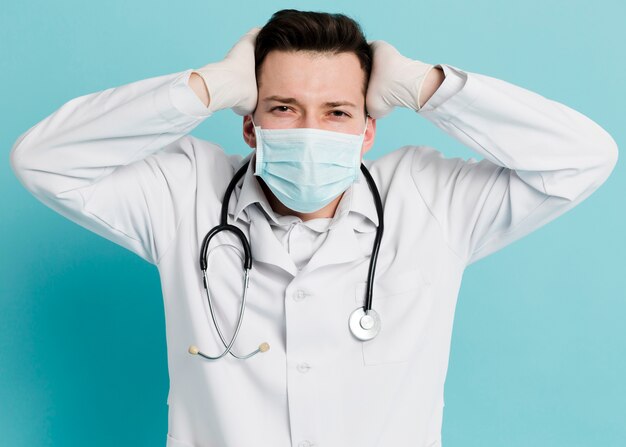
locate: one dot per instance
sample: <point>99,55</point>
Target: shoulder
<point>199,154</point>
<point>425,167</point>
<point>195,161</point>
<point>412,159</point>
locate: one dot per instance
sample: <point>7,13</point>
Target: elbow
<point>606,148</point>
<point>604,154</point>
<point>595,161</point>
<point>24,163</point>
<point>16,159</point>
<point>612,155</point>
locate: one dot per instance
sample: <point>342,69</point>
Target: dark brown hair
<point>293,30</point>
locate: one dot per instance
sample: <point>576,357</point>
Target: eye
<point>280,107</point>
<point>341,113</point>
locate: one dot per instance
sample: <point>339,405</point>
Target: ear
<point>370,133</point>
<point>248,131</point>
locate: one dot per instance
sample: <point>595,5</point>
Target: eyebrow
<point>295,101</point>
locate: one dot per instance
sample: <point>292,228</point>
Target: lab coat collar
<point>248,193</point>
<point>265,246</point>
<point>356,199</point>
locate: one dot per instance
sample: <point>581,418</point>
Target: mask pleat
<point>307,168</point>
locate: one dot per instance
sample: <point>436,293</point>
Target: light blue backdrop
<point>539,346</point>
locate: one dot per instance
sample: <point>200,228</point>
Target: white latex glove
<point>232,82</point>
<point>395,80</point>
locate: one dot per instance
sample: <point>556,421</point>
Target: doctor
<point>121,163</point>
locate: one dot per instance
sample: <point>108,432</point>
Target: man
<point>121,163</point>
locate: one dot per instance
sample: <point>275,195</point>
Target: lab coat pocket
<point>173,442</point>
<point>402,301</point>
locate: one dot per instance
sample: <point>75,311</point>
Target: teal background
<point>538,350</point>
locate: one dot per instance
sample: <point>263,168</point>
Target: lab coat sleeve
<point>117,162</point>
<point>541,158</point>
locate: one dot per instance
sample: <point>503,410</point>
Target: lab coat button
<point>305,444</point>
<point>303,368</point>
<point>299,295</point>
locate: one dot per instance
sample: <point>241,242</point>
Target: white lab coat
<point>120,162</point>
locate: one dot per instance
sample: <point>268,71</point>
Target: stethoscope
<point>364,322</point>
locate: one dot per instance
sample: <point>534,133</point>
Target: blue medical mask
<point>306,168</point>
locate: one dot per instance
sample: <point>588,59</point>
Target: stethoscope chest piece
<point>364,326</point>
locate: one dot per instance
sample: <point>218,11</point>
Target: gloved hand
<point>232,82</point>
<point>395,80</point>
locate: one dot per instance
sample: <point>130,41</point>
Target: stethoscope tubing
<point>247,264</point>
<point>379,235</point>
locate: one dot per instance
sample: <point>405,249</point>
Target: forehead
<point>308,75</point>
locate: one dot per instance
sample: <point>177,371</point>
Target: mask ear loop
<point>254,126</point>
<point>256,149</point>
